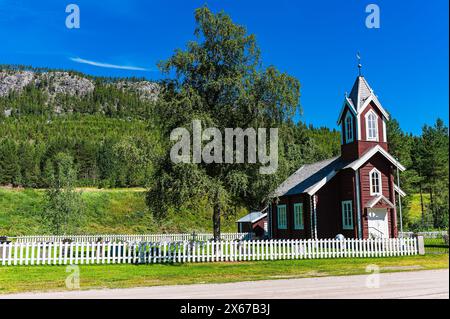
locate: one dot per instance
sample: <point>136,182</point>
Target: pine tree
<point>9,163</point>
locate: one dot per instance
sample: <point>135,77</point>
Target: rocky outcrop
<point>14,81</point>
<point>57,84</point>
<point>145,89</point>
<point>64,83</point>
<point>52,83</point>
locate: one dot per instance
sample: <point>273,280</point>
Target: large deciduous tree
<point>219,79</point>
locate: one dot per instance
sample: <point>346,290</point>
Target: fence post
<point>420,245</point>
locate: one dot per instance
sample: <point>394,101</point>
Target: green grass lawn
<point>110,211</point>
<point>436,246</point>
<point>40,278</point>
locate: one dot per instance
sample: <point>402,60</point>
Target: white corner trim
<point>358,120</point>
<point>377,148</point>
<point>399,190</point>
<point>384,131</point>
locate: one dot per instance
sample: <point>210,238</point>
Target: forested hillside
<point>107,151</point>
<point>111,133</point>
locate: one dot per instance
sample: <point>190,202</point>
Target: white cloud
<point>108,65</point>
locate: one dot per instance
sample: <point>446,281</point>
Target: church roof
<point>360,92</point>
<point>309,176</point>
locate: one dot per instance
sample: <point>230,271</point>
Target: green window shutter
<point>298,216</point>
<point>347,215</point>
<point>282,218</point>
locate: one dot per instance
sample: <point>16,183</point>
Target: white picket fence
<point>431,234</point>
<point>129,238</point>
<point>53,253</point>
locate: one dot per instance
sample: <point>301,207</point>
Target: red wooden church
<point>354,194</point>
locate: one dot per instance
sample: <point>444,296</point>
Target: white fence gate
<point>79,253</point>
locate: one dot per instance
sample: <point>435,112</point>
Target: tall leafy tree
<point>64,206</point>
<point>220,80</point>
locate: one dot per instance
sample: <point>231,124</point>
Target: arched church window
<point>375,182</point>
<point>349,128</point>
<point>372,126</point>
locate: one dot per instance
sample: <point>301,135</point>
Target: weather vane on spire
<point>358,56</point>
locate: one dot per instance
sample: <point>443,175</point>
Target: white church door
<point>378,223</point>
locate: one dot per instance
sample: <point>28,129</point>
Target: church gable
<point>379,134</point>
<point>377,167</point>
<point>380,202</point>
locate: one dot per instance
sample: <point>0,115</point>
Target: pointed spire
<point>360,92</point>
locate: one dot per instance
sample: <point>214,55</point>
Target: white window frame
<point>284,219</point>
<point>347,215</point>
<point>368,137</point>
<point>349,132</point>
<point>380,182</point>
<point>298,218</point>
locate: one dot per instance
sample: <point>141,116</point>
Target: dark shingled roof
<point>308,176</point>
<point>361,88</point>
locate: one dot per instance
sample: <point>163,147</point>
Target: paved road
<point>418,284</point>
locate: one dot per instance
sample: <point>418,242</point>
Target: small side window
<point>298,216</point>
<point>375,182</point>
<point>282,217</point>
<point>349,128</point>
<point>372,126</point>
<point>347,215</point>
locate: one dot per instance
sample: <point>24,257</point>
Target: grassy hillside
<point>112,211</point>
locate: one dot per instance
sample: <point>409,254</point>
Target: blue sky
<point>405,60</point>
